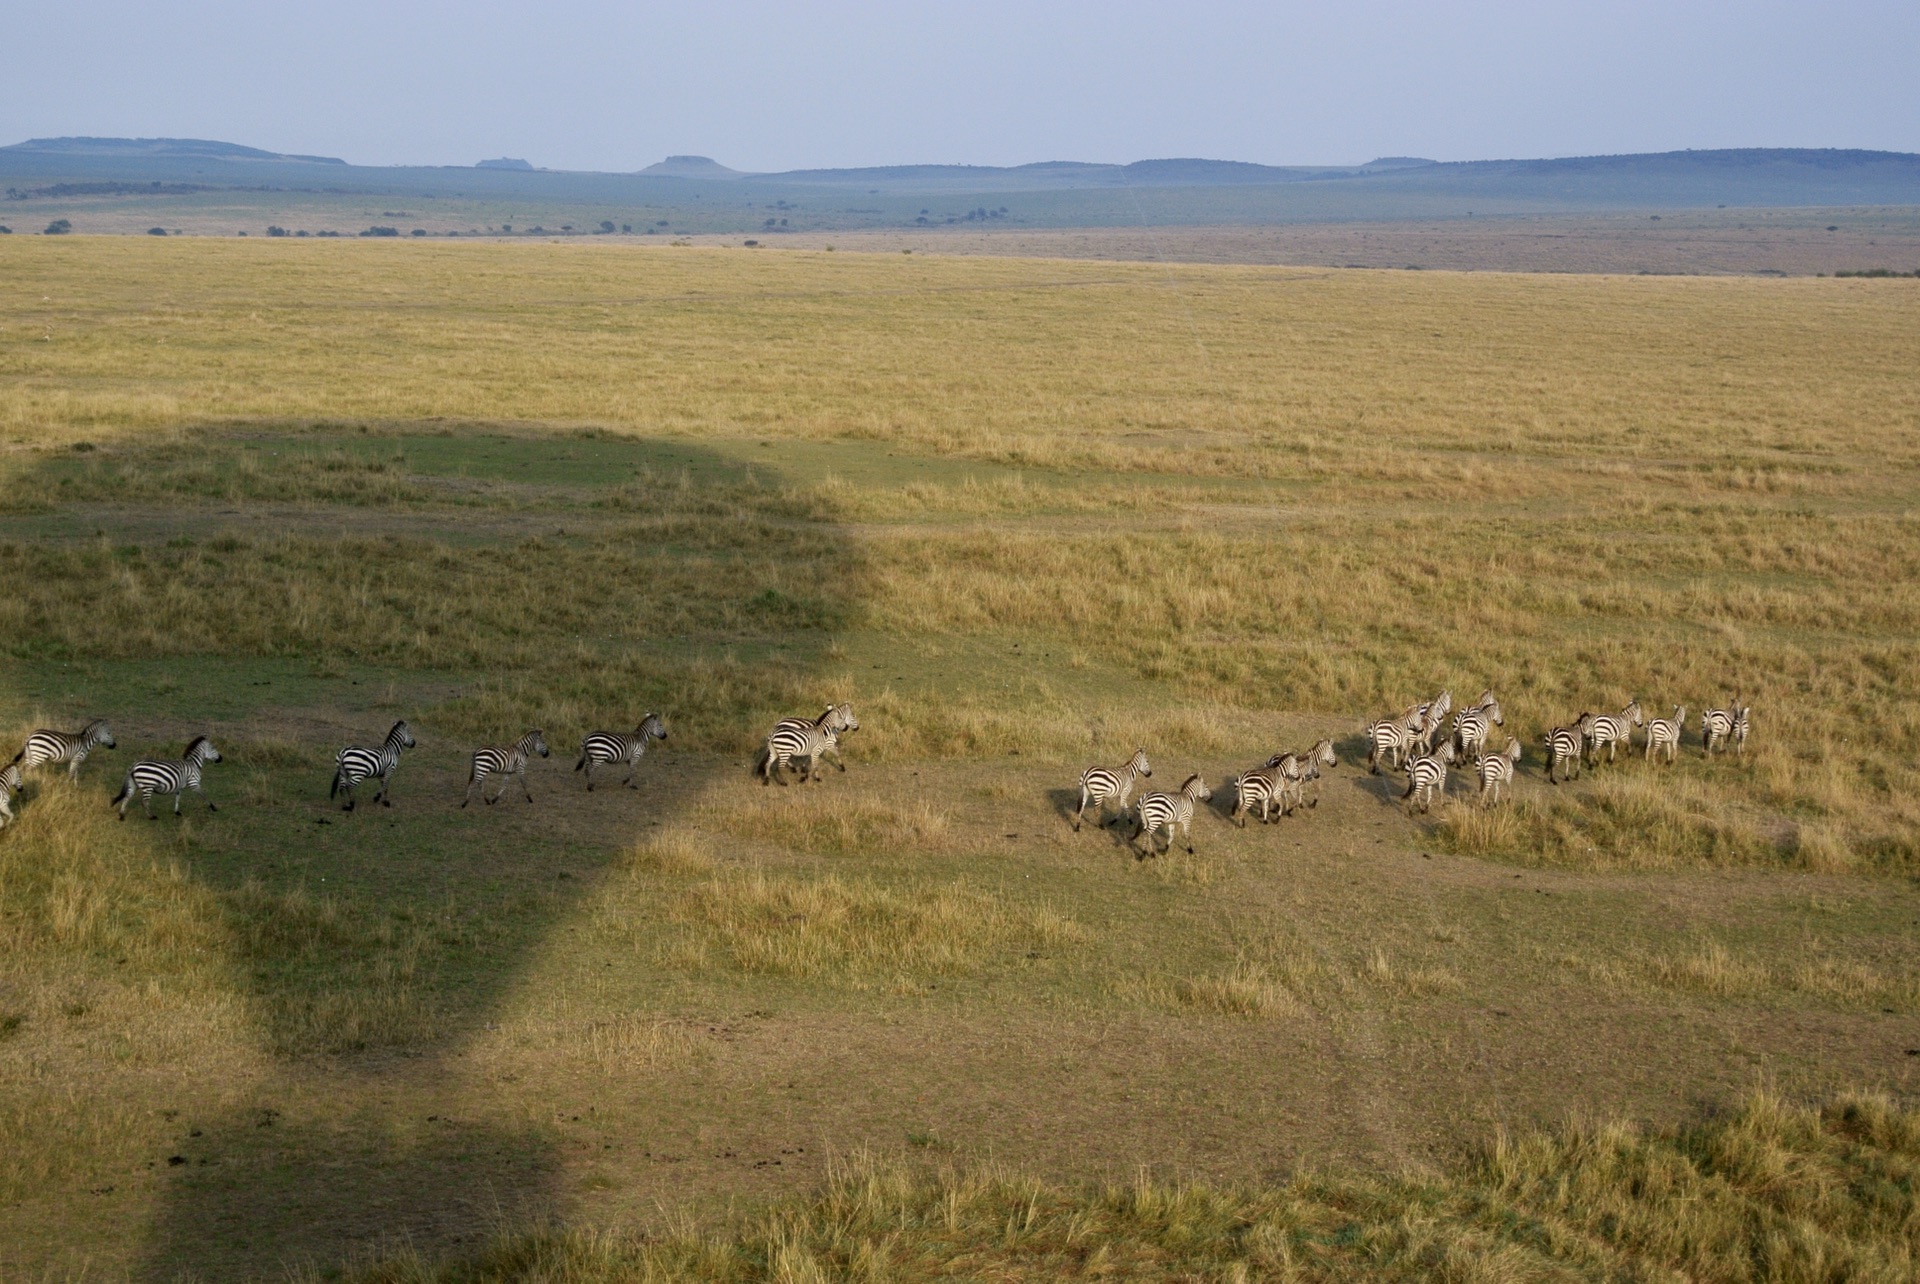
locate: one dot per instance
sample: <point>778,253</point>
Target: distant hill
<point>196,147</point>
<point>504,162</point>
<point>691,167</point>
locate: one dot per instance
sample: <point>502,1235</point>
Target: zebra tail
<point>23,753</point>
<point>581,764</point>
<point>335,791</point>
<point>760,763</point>
<point>126,792</point>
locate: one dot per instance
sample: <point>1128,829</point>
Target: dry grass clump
<point>1248,988</point>
<point>1619,821</point>
<point>1378,968</point>
<point>1771,1192</point>
<point>674,850</point>
<point>819,823</point>
<point>857,931</point>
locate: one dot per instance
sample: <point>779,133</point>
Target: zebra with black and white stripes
<point>10,787</point>
<point>356,763</point>
<point>1612,730</point>
<point>1472,726</point>
<point>786,744</point>
<point>508,762</point>
<point>1496,771</point>
<point>1726,727</point>
<point>149,777</point>
<point>1101,785</point>
<point>72,748</point>
<point>838,719</point>
<point>1394,738</point>
<point>1160,811</point>
<point>1565,748</point>
<point>1433,716</point>
<point>1296,769</point>
<point>1427,777</point>
<point>1664,733</point>
<point>1742,724</point>
<point>1263,788</point>
<point>610,747</point>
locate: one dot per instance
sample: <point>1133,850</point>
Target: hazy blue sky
<point>590,84</point>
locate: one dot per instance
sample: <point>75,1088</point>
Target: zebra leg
<point>386,791</point>
<point>1082,811</point>
<point>587,765</point>
<point>351,798</point>
<point>1187,830</point>
<point>523,787</point>
<point>211,805</point>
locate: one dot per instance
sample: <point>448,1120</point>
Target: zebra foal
<point>1158,811</point>
<point>611,747</point>
<point>356,763</point>
<point>72,748</point>
<point>1101,785</point>
<point>149,777</point>
<point>507,762</point>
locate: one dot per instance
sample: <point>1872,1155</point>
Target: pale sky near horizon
<point>593,84</point>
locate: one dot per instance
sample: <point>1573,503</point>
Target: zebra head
<point>1632,712</point>
<point>534,742</point>
<point>98,733</point>
<point>1442,704</point>
<point>401,735</point>
<point>201,751</point>
<point>1139,763</point>
<point>1492,709</point>
<point>10,779</point>
<point>1679,717</point>
<point>1512,751</point>
<point>651,728</point>
<point>1196,788</point>
<point>843,719</point>
<point>1323,754</point>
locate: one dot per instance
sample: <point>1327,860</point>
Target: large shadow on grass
<point>498,582</point>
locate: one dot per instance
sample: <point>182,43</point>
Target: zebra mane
<point>194,744</point>
<point>1188,782</point>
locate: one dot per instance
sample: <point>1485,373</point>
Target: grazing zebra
<point>1664,733</point>
<point>355,764</point>
<point>10,784</point>
<point>1496,771</point>
<point>1098,786</point>
<point>1297,769</point>
<point>148,778</point>
<point>1427,777</point>
<point>1433,715</point>
<point>1158,811</point>
<point>785,744</point>
<point>1472,726</point>
<point>1263,787</point>
<point>1612,730</point>
<point>1393,737</point>
<point>1565,746</point>
<point>507,763</point>
<point>609,747</point>
<point>59,746</point>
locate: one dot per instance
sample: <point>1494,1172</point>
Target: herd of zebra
<point>1409,742</point>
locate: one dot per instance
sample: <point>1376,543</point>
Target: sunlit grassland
<point>1026,515</point>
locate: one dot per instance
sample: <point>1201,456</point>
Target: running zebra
<point>1433,716</point>
<point>1394,737</point>
<point>838,719</point>
<point>59,746</point>
<point>1664,733</point>
<point>507,763</point>
<point>1264,788</point>
<point>1427,777</point>
<point>610,747</point>
<point>786,744</point>
<point>167,778</point>
<point>1496,771</point>
<point>10,785</point>
<point>1158,811</point>
<point>355,764</point>
<point>1099,785</point>
<point>1472,726</point>
<point>1297,769</point>
<point>1612,730</point>
<point>1565,747</point>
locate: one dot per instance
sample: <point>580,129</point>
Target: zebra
<point>1298,768</point>
<point>1716,726</point>
<point>838,719</point>
<point>1432,715</point>
<point>785,744</point>
<point>1262,787</point>
<point>1664,733</point>
<point>1471,726</point>
<point>1158,811</point>
<point>355,764</point>
<point>1099,785</point>
<point>1742,724</point>
<point>1612,730</point>
<point>45,746</point>
<point>10,785</point>
<point>1427,776</point>
<point>1496,771</point>
<point>1566,745</point>
<point>1394,737</point>
<point>505,762</point>
<point>610,747</point>
<point>148,778</point>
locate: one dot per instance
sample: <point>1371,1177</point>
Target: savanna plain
<point>1661,1022</point>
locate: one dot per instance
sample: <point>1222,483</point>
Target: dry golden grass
<point>1773,1192</point>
